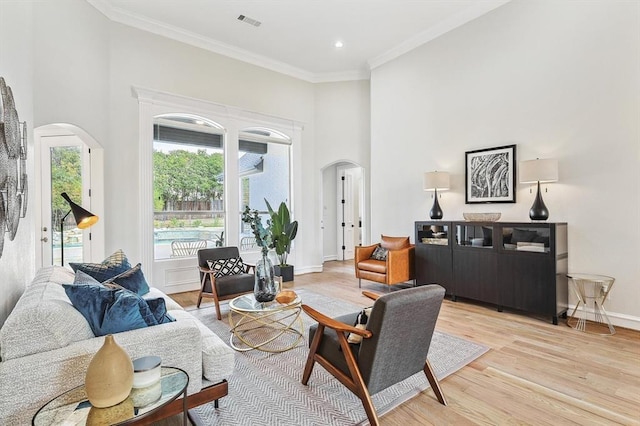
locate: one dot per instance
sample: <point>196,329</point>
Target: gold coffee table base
<point>269,327</point>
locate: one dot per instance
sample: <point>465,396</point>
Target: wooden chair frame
<point>214,292</point>
<point>354,382</point>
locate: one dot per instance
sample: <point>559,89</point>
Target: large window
<point>263,170</point>
<point>188,186</point>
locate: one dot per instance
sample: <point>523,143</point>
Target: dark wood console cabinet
<point>515,265</point>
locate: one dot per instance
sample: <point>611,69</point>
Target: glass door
<point>65,168</point>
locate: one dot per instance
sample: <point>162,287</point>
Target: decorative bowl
<point>286,296</point>
<point>481,217</point>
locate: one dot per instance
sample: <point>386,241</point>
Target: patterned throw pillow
<point>379,254</point>
<point>113,265</point>
<point>361,323</point>
<point>223,267</point>
<point>131,279</point>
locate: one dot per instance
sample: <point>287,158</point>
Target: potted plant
<point>282,231</point>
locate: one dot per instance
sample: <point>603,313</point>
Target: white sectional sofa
<point>46,346</point>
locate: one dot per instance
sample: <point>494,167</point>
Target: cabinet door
<point>528,282</point>
<point>475,274</point>
<point>433,266</point>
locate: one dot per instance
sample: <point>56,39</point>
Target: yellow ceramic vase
<point>110,375</point>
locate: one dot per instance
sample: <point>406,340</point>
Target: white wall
<point>342,122</point>
<point>16,66</point>
<point>150,61</point>
<point>560,79</point>
<point>85,66</point>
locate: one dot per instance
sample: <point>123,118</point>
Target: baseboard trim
<point>617,319</point>
<point>307,269</point>
<point>330,258</point>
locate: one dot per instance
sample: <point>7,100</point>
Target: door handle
<point>44,240</point>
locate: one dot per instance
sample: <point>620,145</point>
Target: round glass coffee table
<point>73,408</point>
<point>269,327</point>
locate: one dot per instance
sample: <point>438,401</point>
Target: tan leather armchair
<point>397,268</point>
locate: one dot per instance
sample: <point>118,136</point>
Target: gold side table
<point>269,327</point>
<point>592,291</point>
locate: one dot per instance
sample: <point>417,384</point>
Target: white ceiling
<point>297,37</point>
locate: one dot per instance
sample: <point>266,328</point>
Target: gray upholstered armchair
<point>394,347</point>
<point>222,287</point>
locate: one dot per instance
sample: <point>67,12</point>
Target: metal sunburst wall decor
<point>13,166</point>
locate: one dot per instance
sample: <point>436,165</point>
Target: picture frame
<point>490,175</point>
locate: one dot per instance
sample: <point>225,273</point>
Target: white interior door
<point>65,167</point>
<point>347,220</point>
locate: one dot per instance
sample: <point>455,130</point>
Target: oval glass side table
<point>73,408</point>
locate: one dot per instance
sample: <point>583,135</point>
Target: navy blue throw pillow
<point>113,265</point>
<point>109,309</point>
<point>159,309</point>
<point>131,279</point>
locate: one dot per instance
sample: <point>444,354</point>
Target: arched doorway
<point>344,219</point>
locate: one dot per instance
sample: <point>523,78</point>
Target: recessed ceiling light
<point>339,44</point>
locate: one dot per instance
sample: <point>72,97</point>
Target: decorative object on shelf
<point>539,171</point>
<point>481,217</point>
<point>434,181</point>
<point>265,288</point>
<point>490,175</point>
<point>13,166</point>
<point>84,219</point>
<point>283,231</point>
<point>109,376</point>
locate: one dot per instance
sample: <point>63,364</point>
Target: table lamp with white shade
<point>434,181</point>
<point>539,171</point>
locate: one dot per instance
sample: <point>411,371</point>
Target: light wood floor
<point>535,373</point>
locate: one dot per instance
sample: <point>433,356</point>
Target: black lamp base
<point>538,210</point>
<point>436,211</point>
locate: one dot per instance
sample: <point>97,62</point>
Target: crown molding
<point>455,21</point>
<point>179,34</point>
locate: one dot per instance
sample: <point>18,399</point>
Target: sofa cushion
<point>53,274</point>
<point>108,268</point>
<point>43,320</point>
<point>394,243</point>
<point>373,265</point>
<point>218,358</point>
<point>132,279</point>
<point>233,284</point>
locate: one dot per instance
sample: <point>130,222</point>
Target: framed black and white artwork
<point>490,175</point>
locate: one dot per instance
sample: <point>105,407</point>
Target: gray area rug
<point>265,388</point>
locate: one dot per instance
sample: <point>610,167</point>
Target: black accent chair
<point>226,287</point>
<point>394,346</point>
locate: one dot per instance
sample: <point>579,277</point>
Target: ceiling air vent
<point>249,21</point>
